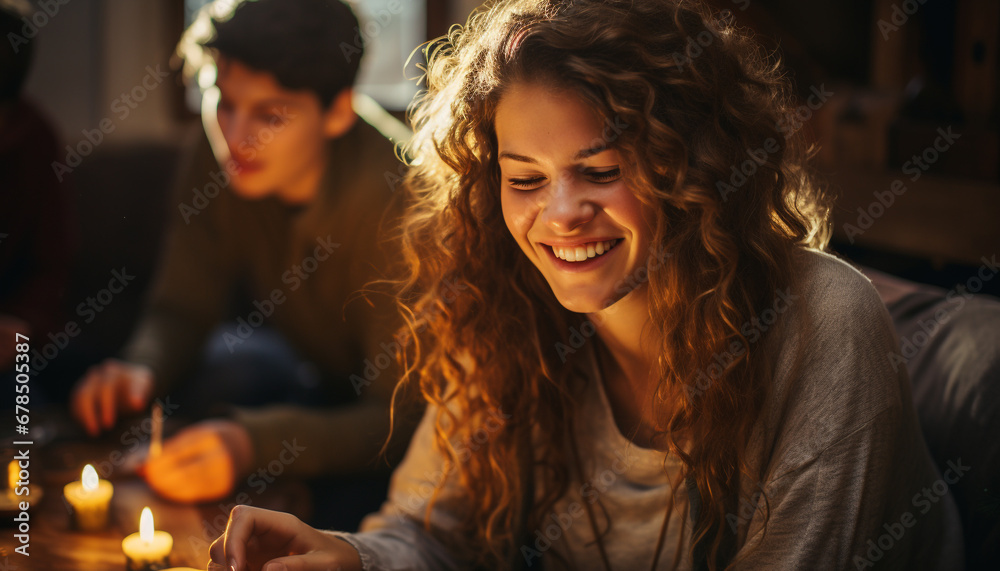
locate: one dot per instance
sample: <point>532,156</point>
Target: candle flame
<point>89,478</point>
<point>146,525</point>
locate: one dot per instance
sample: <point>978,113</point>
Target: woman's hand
<point>201,462</point>
<point>275,541</point>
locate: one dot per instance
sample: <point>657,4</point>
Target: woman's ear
<point>339,117</point>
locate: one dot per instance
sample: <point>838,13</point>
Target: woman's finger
<point>247,522</point>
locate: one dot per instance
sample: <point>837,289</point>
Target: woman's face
<point>564,198</point>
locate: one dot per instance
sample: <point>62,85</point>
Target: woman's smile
<point>583,257</point>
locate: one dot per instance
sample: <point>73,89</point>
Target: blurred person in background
<point>277,227</point>
<point>35,229</point>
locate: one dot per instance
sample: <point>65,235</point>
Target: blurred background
<point>880,81</point>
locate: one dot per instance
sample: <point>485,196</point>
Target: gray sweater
<point>837,452</point>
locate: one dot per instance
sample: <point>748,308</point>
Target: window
<point>390,30</point>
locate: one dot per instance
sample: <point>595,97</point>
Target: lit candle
<point>147,550</point>
<point>88,500</point>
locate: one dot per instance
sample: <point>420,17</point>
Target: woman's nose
<point>567,206</point>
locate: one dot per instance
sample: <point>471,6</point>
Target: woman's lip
<point>576,242</point>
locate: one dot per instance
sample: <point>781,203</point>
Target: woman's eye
<point>605,176</point>
<point>526,183</point>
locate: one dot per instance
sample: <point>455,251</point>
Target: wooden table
<point>55,547</point>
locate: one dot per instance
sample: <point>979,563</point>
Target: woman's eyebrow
<point>585,153</point>
<point>519,158</point>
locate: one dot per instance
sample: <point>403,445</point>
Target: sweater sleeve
<point>191,290</point>
<point>824,512</point>
<point>395,538</point>
<point>846,483</point>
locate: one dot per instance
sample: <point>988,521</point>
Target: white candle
<point>148,549</point>
<point>89,500</point>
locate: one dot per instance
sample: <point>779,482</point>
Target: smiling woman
<point>732,404</point>
<point>564,201</point>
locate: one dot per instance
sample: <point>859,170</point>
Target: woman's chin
<point>585,302</point>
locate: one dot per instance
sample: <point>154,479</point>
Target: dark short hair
<point>300,42</point>
<point>15,52</point>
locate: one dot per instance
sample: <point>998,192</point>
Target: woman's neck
<point>624,328</point>
<point>627,367</point>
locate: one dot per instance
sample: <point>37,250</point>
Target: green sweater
<point>301,267</point>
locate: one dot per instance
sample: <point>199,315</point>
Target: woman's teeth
<point>583,252</point>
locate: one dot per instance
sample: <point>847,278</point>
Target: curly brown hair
<point>700,99</point>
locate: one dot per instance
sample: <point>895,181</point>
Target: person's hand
<point>262,539</point>
<point>10,326</point>
<point>201,462</point>
<point>108,388</point>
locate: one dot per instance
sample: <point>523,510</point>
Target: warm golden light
<point>12,471</point>
<point>89,478</point>
<point>146,526</point>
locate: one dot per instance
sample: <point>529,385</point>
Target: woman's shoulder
<point>834,369</point>
<point>831,284</point>
<point>836,316</point>
<point>832,303</point>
